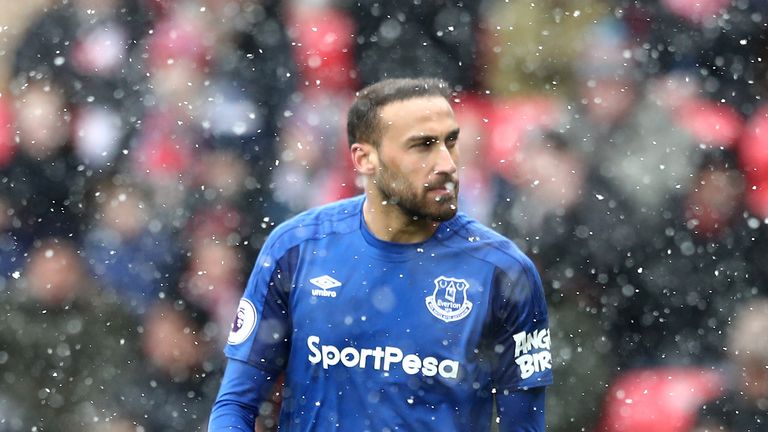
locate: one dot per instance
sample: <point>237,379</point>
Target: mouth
<point>444,191</point>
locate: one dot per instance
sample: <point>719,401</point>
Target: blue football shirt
<point>373,335</point>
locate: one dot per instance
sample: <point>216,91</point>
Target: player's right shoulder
<point>335,218</point>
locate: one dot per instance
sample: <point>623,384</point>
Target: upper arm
<point>519,330</point>
<point>259,341</point>
<point>262,325</point>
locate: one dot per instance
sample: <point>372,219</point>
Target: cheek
<point>416,169</point>
<point>395,181</point>
<point>456,154</point>
<point>415,176</point>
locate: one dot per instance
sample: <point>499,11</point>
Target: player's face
<point>418,158</point>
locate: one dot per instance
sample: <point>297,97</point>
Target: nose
<point>446,162</point>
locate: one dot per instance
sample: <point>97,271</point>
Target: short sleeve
<point>519,332</point>
<point>261,328</point>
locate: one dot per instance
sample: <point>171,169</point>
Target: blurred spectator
<point>532,47</point>
<point>440,36</point>
<point>221,209</point>
<point>11,251</point>
<point>720,40</point>
<point>253,69</point>
<point>15,22</point>
<point>225,101</point>
<point>173,388</point>
<point>253,75</point>
<point>214,276</point>
<point>476,194</point>
<point>676,301</point>
<point>733,58</point>
<point>171,134</point>
<point>640,161</point>
<point>64,344</point>
<point>744,406</point>
<point>642,154</point>
<point>584,358</point>
<point>44,186</point>
<point>127,251</point>
<point>314,165</point>
<point>221,187</point>
<point>548,181</point>
<point>115,424</point>
<point>86,46</point>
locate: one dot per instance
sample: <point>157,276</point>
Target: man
<point>391,311</point>
<point>66,343</point>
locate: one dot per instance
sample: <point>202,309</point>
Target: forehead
<point>421,115</point>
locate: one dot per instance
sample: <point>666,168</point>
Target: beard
<point>414,201</point>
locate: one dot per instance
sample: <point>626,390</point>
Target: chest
<point>432,303</point>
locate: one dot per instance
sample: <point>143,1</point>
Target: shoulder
<point>339,217</point>
<point>483,243</point>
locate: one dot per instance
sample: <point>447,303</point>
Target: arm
<point>258,344</point>
<point>242,391</point>
<point>521,410</point>
<point>520,348</point>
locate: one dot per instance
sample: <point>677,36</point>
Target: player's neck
<point>388,222</point>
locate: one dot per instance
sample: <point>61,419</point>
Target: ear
<point>365,158</point>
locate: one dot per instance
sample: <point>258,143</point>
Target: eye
<point>451,140</point>
<point>425,143</point>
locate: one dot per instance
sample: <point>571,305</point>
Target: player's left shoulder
<point>482,242</point>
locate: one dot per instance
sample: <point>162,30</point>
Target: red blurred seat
<point>709,122</point>
<point>658,399</point>
<point>695,11</point>
<point>7,144</point>
<point>324,46</point>
<point>511,120</point>
<point>753,155</point>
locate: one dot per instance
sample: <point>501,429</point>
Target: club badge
<point>449,301</point>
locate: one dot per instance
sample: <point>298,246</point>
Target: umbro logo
<point>326,284</point>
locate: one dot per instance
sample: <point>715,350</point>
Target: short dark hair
<point>363,116</point>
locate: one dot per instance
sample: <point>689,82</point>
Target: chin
<point>443,214</point>
<point>441,217</point>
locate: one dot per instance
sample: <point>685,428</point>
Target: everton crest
<point>449,301</point>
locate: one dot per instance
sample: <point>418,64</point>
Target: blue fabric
<point>243,388</point>
<point>374,335</point>
<point>521,410</point>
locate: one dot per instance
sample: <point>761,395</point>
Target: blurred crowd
<point>147,147</point>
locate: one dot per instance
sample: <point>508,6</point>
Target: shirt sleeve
<point>243,388</point>
<point>520,340</point>
<point>521,410</point>
<point>261,329</point>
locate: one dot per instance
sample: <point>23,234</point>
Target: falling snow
<point>147,149</point>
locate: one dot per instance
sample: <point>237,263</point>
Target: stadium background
<point>147,147</point>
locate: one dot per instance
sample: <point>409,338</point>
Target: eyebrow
<point>420,138</point>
